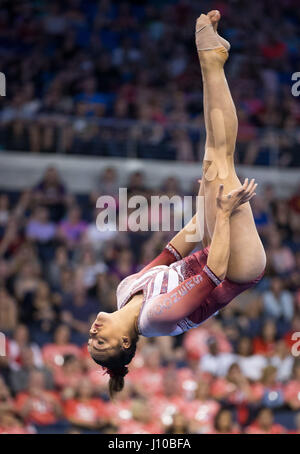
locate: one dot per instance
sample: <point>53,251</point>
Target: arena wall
<point>20,170</point>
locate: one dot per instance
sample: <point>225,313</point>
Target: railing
<point>143,139</point>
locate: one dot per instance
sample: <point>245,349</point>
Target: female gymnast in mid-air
<point>178,291</point>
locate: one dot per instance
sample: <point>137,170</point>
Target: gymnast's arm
<point>167,309</point>
<point>181,245</point>
<point>177,248</point>
<point>183,241</point>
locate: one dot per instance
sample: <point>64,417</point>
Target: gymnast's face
<point>105,337</point>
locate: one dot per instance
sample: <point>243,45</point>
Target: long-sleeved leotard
<point>178,294</point>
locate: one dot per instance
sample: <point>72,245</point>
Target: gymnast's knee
<point>249,270</point>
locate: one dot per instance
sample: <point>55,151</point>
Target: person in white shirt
<point>215,362</point>
<point>250,365</point>
<point>283,361</point>
<point>278,303</point>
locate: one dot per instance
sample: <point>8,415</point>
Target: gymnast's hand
<point>231,201</point>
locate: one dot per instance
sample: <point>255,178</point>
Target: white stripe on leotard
<point>172,280</point>
<point>158,283</point>
<point>137,282</point>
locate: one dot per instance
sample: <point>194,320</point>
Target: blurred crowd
<point>237,373</point>
<point>117,78</point>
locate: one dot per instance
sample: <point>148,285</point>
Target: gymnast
<point>179,289</point>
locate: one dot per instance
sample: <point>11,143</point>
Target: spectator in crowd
<point>67,375</point>
<point>107,184</point>
<point>77,312</point>
<point>21,340</point>
<point>224,423</point>
<point>39,406</point>
<point>234,388</point>
<point>57,266</point>
<point>169,401</point>
<point>215,362</point>
<point>201,411</point>
<point>264,424</point>
<point>250,364</point>
<point>96,237</point>
<point>148,379</point>
<point>125,265</point>
<point>85,410</point>
<point>53,353</point>
<point>19,379</point>
<point>278,303</point>
<point>292,389</point>
<point>261,215</point>
<point>8,312</point>
<point>72,228</point>
<point>39,228</point>
<point>195,341</point>
<point>279,255</point>
<point>52,194</point>
<point>265,343</point>
<point>141,421</point>
<point>269,390</point>
<point>283,361</point>
<point>179,425</point>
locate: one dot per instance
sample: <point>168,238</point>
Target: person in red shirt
<point>141,421</point>
<point>234,388</point>
<point>264,424</point>
<point>37,405</point>
<point>223,423</point>
<point>273,48</point>
<point>119,411</point>
<point>169,401</point>
<point>266,343</point>
<point>201,411</point>
<point>84,410</point>
<point>148,379</point>
<point>292,389</point>
<point>187,379</point>
<point>53,353</point>
<point>68,375</point>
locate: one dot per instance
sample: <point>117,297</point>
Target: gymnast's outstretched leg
<point>247,257</point>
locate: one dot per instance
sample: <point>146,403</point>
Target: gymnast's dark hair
<point>116,367</point>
